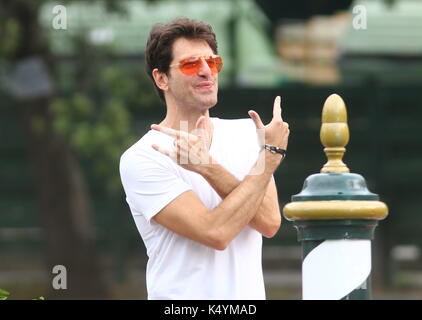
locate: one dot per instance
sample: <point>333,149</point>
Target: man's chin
<point>208,102</point>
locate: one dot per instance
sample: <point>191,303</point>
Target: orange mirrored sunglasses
<point>192,65</point>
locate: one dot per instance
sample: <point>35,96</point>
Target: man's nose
<point>204,70</point>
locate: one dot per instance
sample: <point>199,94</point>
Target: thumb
<point>200,129</point>
<point>200,123</point>
<point>257,119</point>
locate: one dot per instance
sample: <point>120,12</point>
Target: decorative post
<point>335,216</point>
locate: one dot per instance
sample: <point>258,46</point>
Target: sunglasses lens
<point>219,63</point>
<point>192,66</point>
<point>215,64</point>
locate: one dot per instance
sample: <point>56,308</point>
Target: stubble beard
<point>197,101</point>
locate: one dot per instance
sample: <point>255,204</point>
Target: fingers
<point>188,148</point>
<point>182,149</point>
<point>178,155</point>
<point>277,108</point>
<point>178,134</point>
<point>200,129</point>
<point>166,152</point>
<point>276,114</point>
<point>168,131</point>
<point>286,134</point>
<point>200,123</point>
<point>257,119</point>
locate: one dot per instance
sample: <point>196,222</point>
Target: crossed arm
<point>267,219</point>
<point>216,228</point>
<point>252,201</point>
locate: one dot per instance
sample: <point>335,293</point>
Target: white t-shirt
<point>180,268</point>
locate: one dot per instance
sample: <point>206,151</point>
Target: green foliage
<point>10,37</point>
<point>97,93</point>
<point>4,294</point>
<point>95,110</point>
<point>38,124</point>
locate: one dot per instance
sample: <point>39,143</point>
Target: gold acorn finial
<point>334,134</point>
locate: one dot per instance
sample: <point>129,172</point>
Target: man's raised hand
<point>190,149</point>
<point>277,131</point>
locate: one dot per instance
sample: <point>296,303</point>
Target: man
<point>200,188</point>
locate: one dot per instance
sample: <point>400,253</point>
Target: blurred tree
<point>71,115</point>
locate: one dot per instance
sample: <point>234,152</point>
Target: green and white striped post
<point>335,216</point>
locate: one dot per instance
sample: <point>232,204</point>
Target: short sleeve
<point>149,183</point>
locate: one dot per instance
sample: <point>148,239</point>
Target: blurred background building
<point>73,99</point>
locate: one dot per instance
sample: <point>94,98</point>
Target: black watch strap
<point>274,149</point>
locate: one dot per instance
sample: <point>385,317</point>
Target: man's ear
<point>161,79</point>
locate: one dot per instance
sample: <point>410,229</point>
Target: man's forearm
<point>240,205</point>
<point>267,213</point>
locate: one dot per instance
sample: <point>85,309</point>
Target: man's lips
<point>205,85</point>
